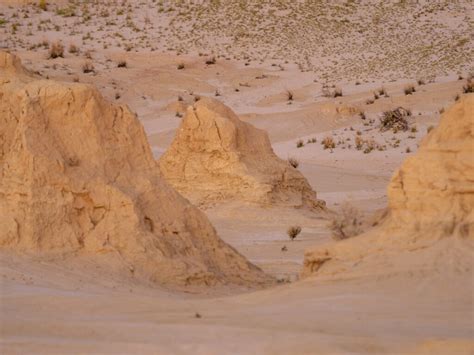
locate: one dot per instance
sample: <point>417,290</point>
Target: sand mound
<point>431,203</point>
<point>216,157</point>
<point>78,177</point>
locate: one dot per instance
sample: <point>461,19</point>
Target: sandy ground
<point>59,307</point>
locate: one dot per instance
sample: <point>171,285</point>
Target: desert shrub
<point>395,119</point>
<point>376,96</point>
<point>328,93</point>
<point>369,102</point>
<point>66,12</point>
<point>293,232</point>
<point>87,67</point>
<point>122,64</point>
<point>210,61</point>
<point>359,142</point>
<point>409,89</point>
<point>42,5</point>
<point>469,87</point>
<point>347,223</point>
<point>421,81</point>
<point>328,143</point>
<point>73,49</point>
<point>457,97</point>
<point>56,50</point>
<point>362,115</point>
<point>289,95</point>
<point>299,143</point>
<point>180,66</point>
<point>293,162</point>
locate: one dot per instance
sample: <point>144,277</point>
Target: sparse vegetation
<point>88,67</point>
<point>293,162</point>
<point>293,232</point>
<point>211,61</point>
<point>42,5</point>
<point>299,143</point>
<point>328,143</point>
<point>409,89</point>
<point>346,224</point>
<point>289,95</point>
<point>73,49</point>
<point>395,120</point>
<point>56,50</point>
<point>122,64</point>
<point>469,87</point>
<point>180,66</point>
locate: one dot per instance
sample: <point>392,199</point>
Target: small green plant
<point>293,232</point>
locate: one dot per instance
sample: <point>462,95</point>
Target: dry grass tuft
<point>56,50</point>
<point>293,232</point>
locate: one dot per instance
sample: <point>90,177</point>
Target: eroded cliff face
<point>431,209</point>
<point>77,176</point>
<point>216,157</point>
<point>434,190</point>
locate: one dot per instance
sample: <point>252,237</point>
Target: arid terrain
<point>236,177</point>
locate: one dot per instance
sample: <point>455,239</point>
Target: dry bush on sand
<point>293,231</point>
<point>87,67</point>
<point>409,89</point>
<point>347,223</point>
<point>469,87</point>
<point>395,119</point>
<point>293,162</point>
<point>328,143</point>
<point>56,50</point>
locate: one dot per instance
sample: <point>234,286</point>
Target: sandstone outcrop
<point>431,208</point>
<point>217,157</point>
<point>77,177</point>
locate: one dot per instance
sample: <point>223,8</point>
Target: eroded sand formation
<point>78,177</point>
<point>217,157</point>
<point>431,209</point>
